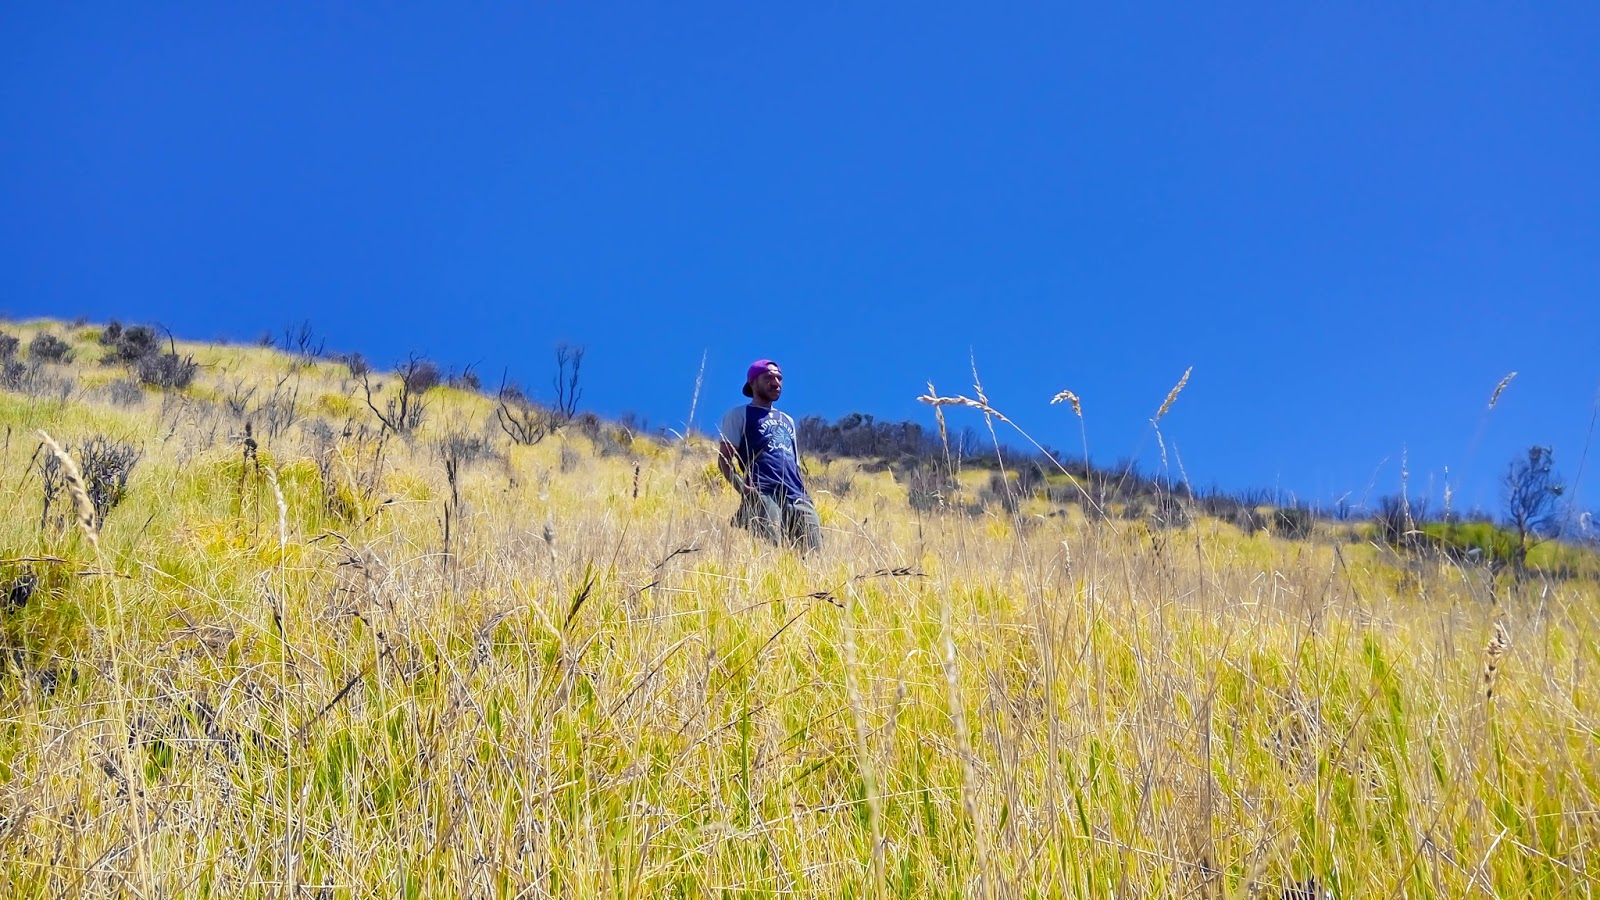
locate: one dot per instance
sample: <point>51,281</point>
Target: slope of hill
<point>263,645</point>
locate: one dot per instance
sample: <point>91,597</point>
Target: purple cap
<point>755,370</point>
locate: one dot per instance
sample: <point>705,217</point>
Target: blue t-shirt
<point>767,447</point>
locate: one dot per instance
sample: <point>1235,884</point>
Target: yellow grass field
<point>272,674</point>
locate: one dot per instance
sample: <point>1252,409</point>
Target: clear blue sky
<point>1350,219</point>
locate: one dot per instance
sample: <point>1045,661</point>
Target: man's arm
<point>727,461</point>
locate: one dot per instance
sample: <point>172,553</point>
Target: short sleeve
<point>732,427</point>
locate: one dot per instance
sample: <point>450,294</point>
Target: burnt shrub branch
<point>403,409</point>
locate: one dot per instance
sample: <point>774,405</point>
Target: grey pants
<point>781,520</point>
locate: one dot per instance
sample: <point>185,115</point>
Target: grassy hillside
<point>348,663</point>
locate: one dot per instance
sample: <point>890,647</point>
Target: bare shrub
<point>302,342</point>
<point>47,348</point>
<point>1295,523</point>
<point>465,447</point>
<point>8,347</point>
<point>167,371</point>
<point>356,363</point>
<point>465,380</point>
<point>1244,518</point>
<point>524,421</point>
<point>1169,510</point>
<point>569,361</point>
<point>928,488</point>
<point>281,408</point>
<point>106,465</point>
<point>1533,493</point>
<point>589,425</point>
<point>139,347</point>
<point>1398,521</point>
<point>403,410</point>
<point>238,396</point>
<point>15,375</point>
<point>125,392</point>
<point>34,379</point>
<point>53,484</point>
<point>128,345</point>
<point>1002,492</point>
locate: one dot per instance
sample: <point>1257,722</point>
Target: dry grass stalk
<point>1499,643</point>
<point>959,400</point>
<point>283,508</point>
<point>938,413</point>
<point>1069,397</point>
<point>1172,395</point>
<point>1495,397</point>
<point>80,494</point>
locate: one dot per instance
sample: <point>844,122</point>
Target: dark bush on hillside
<point>167,370</point>
<point>860,436</point>
<point>466,380</point>
<point>8,347</point>
<point>1170,511</point>
<point>125,392</point>
<point>1398,521</point>
<point>1245,518</point>
<point>1236,511</point>
<point>1294,523</point>
<point>356,363</point>
<point>1031,479</point>
<point>403,410</point>
<point>1002,492</point>
<point>106,465</point>
<point>588,425</point>
<point>928,488</point>
<point>15,375</point>
<point>464,447</point>
<point>420,376</point>
<point>129,345</point>
<point>524,421</point>
<point>46,347</point>
<point>33,379</point>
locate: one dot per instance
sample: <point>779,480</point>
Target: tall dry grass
<point>265,682</point>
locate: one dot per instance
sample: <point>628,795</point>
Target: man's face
<point>768,386</point>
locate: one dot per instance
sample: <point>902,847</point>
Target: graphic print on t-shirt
<point>768,450</point>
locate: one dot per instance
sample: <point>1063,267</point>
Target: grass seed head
<point>1172,395</point>
<point>283,507</point>
<point>1070,397</point>
<point>80,494</point>
<point>959,400</point>
<point>1495,397</point>
<point>1499,643</point>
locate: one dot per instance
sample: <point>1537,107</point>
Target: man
<point>760,457</point>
